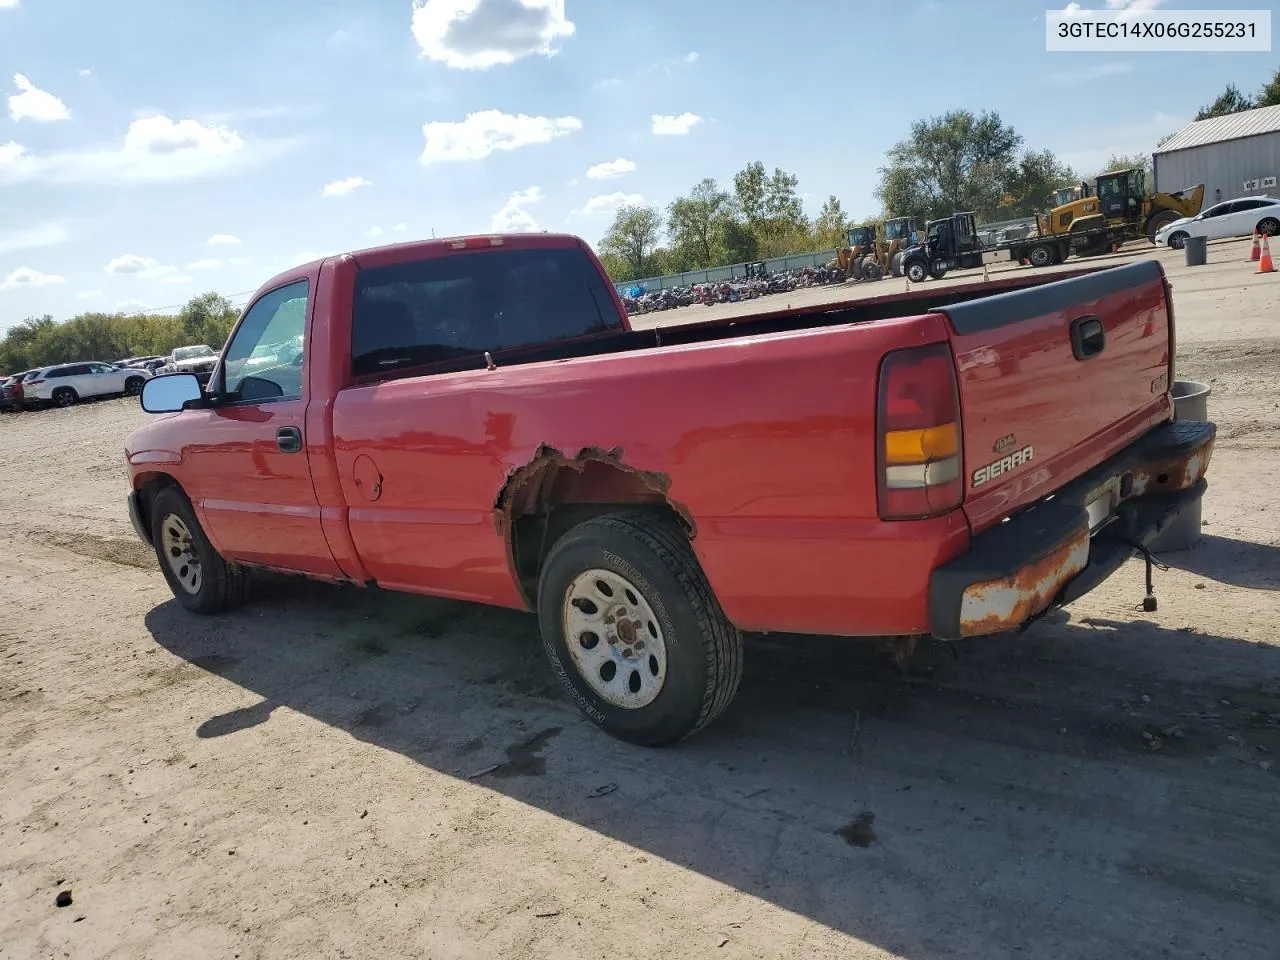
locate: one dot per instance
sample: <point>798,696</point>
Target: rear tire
<point>633,630</point>
<point>200,579</point>
<point>1040,256</point>
<point>65,397</point>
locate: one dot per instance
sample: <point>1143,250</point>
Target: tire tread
<point>723,647</point>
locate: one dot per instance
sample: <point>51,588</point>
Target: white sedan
<point>1232,218</point>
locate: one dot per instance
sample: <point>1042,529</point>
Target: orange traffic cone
<point>1256,251</point>
<point>1264,264</point>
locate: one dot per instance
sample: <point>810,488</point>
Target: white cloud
<point>373,232</point>
<point>85,71</point>
<point>480,134</point>
<point>610,202</point>
<point>26,238</point>
<point>35,104</point>
<point>478,34</point>
<point>340,188</point>
<point>691,56</point>
<point>26,277</point>
<point>401,228</point>
<point>206,264</point>
<point>148,268</point>
<point>8,4</point>
<point>513,217</point>
<point>89,295</point>
<point>1096,72</point>
<point>675,126</point>
<point>1074,11</point>
<point>610,169</point>
<point>154,148</point>
<point>133,306</point>
<point>222,239</point>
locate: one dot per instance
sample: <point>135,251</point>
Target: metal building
<point>1236,155</point>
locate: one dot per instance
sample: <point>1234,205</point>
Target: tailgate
<point>1055,379</point>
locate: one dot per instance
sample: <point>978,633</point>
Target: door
<point>1242,218</point>
<point>103,379</point>
<point>250,460</point>
<point>1213,222</point>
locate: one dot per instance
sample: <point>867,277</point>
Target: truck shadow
<point>1097,788</point>
<point>1241,563</point>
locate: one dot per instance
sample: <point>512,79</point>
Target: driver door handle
<point>289,439</point>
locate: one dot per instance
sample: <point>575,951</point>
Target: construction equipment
<point>1120,209</point>
<point>866,257</point>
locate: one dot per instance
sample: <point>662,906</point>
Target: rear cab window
<point>460,305</point>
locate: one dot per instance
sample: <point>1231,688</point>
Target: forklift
<point>950,244</point>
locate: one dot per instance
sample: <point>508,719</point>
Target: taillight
<point>918,457</point>
<point>32,383</point>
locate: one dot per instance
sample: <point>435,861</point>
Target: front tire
<point>133,386</point>
<point>917,272</point>
<point>200,579</point>
<point>633,630</point>
<point>1177,240</point>
<point>1269,227</point>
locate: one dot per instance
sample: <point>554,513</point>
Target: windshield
<point>189,353</point>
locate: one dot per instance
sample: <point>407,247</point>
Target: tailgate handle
<point>1088,337</point>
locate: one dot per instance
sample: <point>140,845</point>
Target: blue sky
<point>138,131</point>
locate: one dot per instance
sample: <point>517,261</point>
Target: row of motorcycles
<point>638,300</point>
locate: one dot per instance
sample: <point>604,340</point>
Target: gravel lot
<point>306,778</point>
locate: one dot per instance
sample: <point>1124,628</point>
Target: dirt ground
<point>330,773</point>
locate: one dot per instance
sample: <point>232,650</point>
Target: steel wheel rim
<point>614,638</point>
<point>180,553</point>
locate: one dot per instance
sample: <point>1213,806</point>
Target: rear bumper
<point>1047,555</point>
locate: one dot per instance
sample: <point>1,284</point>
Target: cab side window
<point>264,360</point>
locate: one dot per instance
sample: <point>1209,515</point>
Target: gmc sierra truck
<point>475,418</point>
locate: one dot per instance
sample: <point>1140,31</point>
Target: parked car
<point>138,361</point>
<point>11,390</point>
<point>1234,218</point>
<point>475,418</point>
<point>198,360</point>
<point>67,383</point>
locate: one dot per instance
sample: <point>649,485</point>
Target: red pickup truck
<point>476,418</point>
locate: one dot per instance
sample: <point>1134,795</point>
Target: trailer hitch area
<point>1149,602</point>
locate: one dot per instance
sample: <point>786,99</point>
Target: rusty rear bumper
<point>1057,550</point>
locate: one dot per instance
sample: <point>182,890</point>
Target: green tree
<point>1036,176</point>
<point>208,318</point>
<point>1119,161</point>
<point>830,229</point>
<point>696,223</point>
<point>633,237</point>
<point>1231,100</point>
<point>957,162</point>
<point>772,209</point>
<point>1269,95</point>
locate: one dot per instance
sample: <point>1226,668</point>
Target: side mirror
<point>170,393</point>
